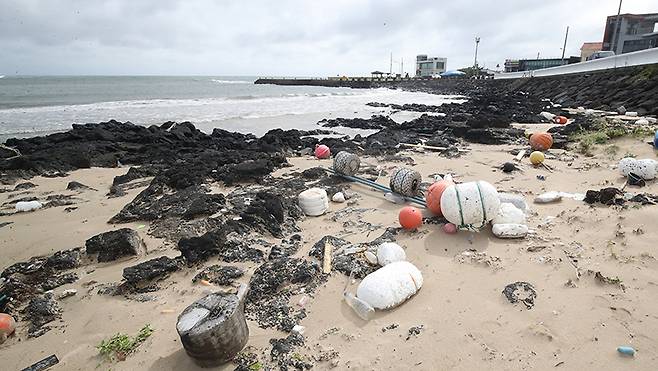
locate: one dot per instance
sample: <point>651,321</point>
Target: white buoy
<point>472,203</point>
<point>390,252</point>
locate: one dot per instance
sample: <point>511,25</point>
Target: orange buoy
<point>322,151</point>
<point>560,120</point>
<point>7,325</point>
<point>541,141</point>
<point>410,217</point>
<point>433,196</point>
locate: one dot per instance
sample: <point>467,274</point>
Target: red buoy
<point>410,217</point>
<point>322,151</point>
<point>560,120</point>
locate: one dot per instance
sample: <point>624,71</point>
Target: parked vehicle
<point>601,54</point>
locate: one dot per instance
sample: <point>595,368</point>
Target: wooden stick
<point>520,155</point>
<point>546,167</point>
<point>326,263</point>
<point>431,147</point>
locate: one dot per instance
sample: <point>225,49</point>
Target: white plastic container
<point>547,115</point>
<point>390,285</point>
<point>478,202</point>
<point>514,199</point>
<point>313,201</point>
<point>548,197</point>
<point>510,230</point>
<point>24,206</point>
<point>390,252</point>
<point>509,214</point>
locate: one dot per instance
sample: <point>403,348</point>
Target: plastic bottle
<point>360,307</point>
<point>394,198</point>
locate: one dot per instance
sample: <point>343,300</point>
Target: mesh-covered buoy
<point>213,329</point>
<point>405,182</point>
<point>346,163</point>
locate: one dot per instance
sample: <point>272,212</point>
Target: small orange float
<point>410,217</point>
<point>541,141</point>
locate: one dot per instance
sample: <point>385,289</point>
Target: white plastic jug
<point>470,204</point>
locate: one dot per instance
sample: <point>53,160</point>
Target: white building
<point>426,67</point>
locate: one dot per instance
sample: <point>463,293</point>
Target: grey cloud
<point>285,37</point>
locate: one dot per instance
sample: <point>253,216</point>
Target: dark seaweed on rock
<point>271,287</point>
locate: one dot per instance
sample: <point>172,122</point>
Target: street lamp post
<point>477,42</point>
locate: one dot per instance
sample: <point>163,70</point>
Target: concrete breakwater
<point>363,84</point>
<point>635,88</point>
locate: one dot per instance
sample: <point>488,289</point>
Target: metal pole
<point>477,42</point>
<point>390,70</point>
<point>616,31</point>
<point>564,48</point>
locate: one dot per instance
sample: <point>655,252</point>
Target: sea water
<point>40,105</point>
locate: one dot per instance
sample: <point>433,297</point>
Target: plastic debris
<point>44,364</point>
<point>7,326</point>
<point>338,197</point>
<point>647,168</point>
<point>299,329</point>
<point>390,285</point>
<point>470,204</point>
<point>67,293</point>
<point>548,197</point>
<point>313,201</point>
<point>362,309</point>
<point>410,218</point>
<point>510,230</point>
<point>394,198</point>
<point>514,199</point>
<point>390,252</point>
<point>25,206</point>
<point>625,350</point>
<point>322,151</point>
<point>508,214</point>
<point>449,228</point>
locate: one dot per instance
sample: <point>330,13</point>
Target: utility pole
<point>616,31</point>
<point>390,70</point>
<point>477,42</point>
<point>401,66</point>
<point>564,48</point>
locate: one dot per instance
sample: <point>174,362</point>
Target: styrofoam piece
<point>548,197</point>
<point>508,214</point>
<point>514,199</point>
<point>510,230</point>
<point>391,285</point>
<point>641,122</point>
<point>631,113</point>
<point>478,201</point>
<point>338,197</point>
<point>646,168</point>
<point>547,115</point>
<point>24,206</point>
<point>390,252</point>
<point>313,201</point>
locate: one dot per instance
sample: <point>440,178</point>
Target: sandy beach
<point>465,321</point>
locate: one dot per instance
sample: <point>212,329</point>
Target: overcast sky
<point>286,37</point>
